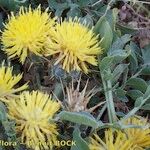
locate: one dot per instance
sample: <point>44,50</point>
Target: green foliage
<point>80,118</point>
<point>140,101</point>
<point>138,84</point>
<point>103,28</point>
<point>9,133</point>
<point>123,71</point>
<point>81,144</point>
<point>146,55</point>
<point>12,4</point>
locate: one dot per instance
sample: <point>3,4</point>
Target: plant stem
<point>109,6</point>
<point>135,109</point>
<point>111,102</point>
<point>102,111</point>
<point>97,3</point>
<point>109,99</point>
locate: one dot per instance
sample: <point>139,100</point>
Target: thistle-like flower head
<point>32,113</point>
<point>139,136</point>
<point>27,32</point>
<point>8,81</point>
<point>77,101</point>
<point>113,140</point>
<point>74,45</point>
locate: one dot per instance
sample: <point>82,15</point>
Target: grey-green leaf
<point>134,94</point>
<point>138,102</point>
<point>79,118</point>
<point>147,93</point>
<point>118,71</point>
<point>80,143</point>
<point>146,54</point>
<point>103,28</point>
<point>120,42</point>
<point>106,63</point>
<point>137,84</point>
<point>146,107</point>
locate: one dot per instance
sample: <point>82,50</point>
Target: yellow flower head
<point>28,31</point>
<point>139,136</point>
<point>74,45</point>
<point>8,82</point>
<point>113,141</point>
<point>32,112</point>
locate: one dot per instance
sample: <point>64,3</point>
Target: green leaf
<point>53,4</point>
<point>118,71</point>
<point>133,58</point>
<point>1,148</point>
<point>138,102</point>
<point>145,70</point>
<point>146,107</point>
<point>119,55</point>
<point>79,117</point>
<point>83,3</point>
<point>146,54</point>
<point>134,94</point>
<point>112,15</point>
<point>9,126</point>
<point>106,63</point>
<point>103,28</point>
<point>137,84</point>
<point>1,21</point>
<point>58,91</point>
<point>60,9</point>
<point>125,29</point>
<point>120,93</point>
<point>74,11</point>
<point>116,57</point>
<point>12,4</point>
<point>120,42</point>
<point>3,116</point>
<point>115,12</point>
<point>80,142</point>
<point>107,75</point>
<point>88,19</point>
<point>147,93</point>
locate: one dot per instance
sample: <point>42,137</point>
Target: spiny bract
<point>77,101</point>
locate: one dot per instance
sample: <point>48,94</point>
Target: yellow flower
<point>8,81</point>
<point>74,46</point>
<point>113,141</point>
<point>139,136</point>
<point>28,31</point>
<point>32,112</point>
